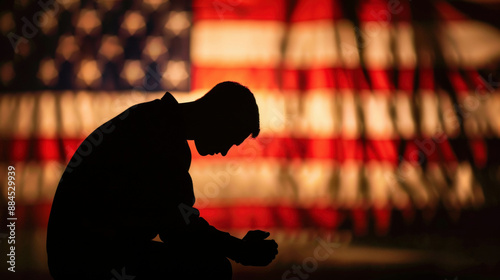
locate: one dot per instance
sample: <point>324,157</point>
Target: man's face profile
<point>219,142</point>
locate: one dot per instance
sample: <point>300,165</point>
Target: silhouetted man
<point>128,182</point>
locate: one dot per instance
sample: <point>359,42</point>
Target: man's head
<point>223,117</point>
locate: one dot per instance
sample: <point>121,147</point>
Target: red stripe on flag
<point>339,149</point>
<point>382,150</point>
<point>447,12</point>
<point>406,80</point>
<point>479,152</point>
<point>327,217</point>
<point>345,78</point>
<point>382,221</point>
<point>350,149</point>
<point>440,152</point>
<point>360,219</point>
<point>458,82</point>
<point>447,152</point>
<point>375,10</point>
<point>70,147</point>
<point>360,79</point>
<point>48,149</point>
<point>41,213</point>
<point>251,77</point>
<point>264,217</point>
<point>288,216</point>
<point>314,78</point>
<point>306,10</point>
<point>411,153</point>
<point>239,10</point>
<point>19,149</point>
<point>380,79</point>
<point>217,216</point>
<point>479,84</point>
<point>400,10</point>
<point>426,79</point>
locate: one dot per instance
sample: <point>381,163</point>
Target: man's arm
<point>253,249</point>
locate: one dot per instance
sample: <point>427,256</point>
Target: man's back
<point>119,187</point>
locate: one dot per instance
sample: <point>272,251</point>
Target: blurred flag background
<point>380,122</point>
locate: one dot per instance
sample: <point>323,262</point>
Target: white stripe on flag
<point>311,44</point>
<point>47,116</point>
<point>469,43</point>
<point>237,43</point>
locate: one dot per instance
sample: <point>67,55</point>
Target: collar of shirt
<point>171,104</point>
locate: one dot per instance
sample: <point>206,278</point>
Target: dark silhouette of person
<point>129,182</point>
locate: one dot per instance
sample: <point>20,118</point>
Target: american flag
<point>370,109</point>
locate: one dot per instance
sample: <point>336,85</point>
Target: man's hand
<point>255,250</point>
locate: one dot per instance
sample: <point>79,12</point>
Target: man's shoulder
<point>156,109</point>
<point>166,106</point>
<point>168,98</point>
